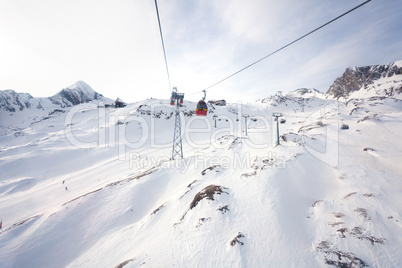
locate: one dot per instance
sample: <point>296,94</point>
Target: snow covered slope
<point>95,187</point>
<point>302,99</point>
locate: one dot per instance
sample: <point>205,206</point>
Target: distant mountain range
<point>79,92</point>
<point>355,82</point>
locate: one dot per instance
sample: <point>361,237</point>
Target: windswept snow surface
<point>95,187</point>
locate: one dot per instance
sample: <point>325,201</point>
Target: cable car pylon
<point>177,150</point>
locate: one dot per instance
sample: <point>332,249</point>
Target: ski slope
<point>95,187</point>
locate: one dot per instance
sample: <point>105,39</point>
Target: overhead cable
<point>291,43</point>
<point>163,45</point>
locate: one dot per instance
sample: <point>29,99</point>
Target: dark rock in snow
<point>208,193</point>
<point>236,240</point>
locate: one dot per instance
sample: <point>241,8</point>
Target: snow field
<point>280,206</point>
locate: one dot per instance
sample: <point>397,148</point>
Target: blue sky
<point>115,46</point>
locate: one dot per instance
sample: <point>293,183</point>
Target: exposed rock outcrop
<point>358,78</point>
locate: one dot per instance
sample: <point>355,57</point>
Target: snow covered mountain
<point>85,186</point>
<point>12,101</point>
<point>79,92</point>
<point>370,80</point>
<point>299,100</point>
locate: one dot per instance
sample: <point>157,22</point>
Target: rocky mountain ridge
<point>79,92</point>
<point>367,78</point>
<point>12,101</point>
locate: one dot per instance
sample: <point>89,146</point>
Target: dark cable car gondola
<point>172,98</point>
<point>201,109</point>
<point>176,96</point>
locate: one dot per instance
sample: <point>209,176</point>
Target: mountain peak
<point>77,93</point>
<point>80,85</point>
<point>366,77</point>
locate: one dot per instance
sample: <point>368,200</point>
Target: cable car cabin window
<point>202,105</point>
<point>201,108</point>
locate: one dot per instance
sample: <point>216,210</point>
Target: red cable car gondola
<point>202,108</point>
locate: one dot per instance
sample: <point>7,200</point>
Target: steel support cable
<point>285,46</point>
<point>163,45</point>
